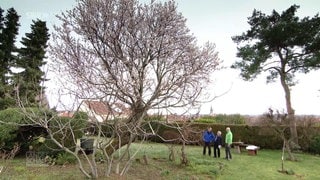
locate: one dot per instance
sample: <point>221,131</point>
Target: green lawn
<point>243,166</point>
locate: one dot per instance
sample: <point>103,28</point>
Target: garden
<point>130,83</point>
<point>265,165</point>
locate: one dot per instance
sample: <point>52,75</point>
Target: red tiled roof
<point>102,108</point>
<point>65,114</point>
<point>98,107</point>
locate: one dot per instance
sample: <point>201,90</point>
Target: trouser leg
<point>206,145</point>
<point>228,152</point>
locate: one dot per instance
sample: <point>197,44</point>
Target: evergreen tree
<point>8,32</point>
<point>1,21</point>
<point>283,45</point>
<point>31,59</point>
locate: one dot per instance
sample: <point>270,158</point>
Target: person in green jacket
<point>228,141</point>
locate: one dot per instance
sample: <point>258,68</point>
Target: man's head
<point>227,129</point>
<point>209,129</point>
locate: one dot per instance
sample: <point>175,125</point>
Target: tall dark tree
<point>8,32</point>
<point>1,20</point>
<point>31,59</point>
<point>283,45</point>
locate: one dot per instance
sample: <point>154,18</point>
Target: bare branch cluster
<point>141,55</point>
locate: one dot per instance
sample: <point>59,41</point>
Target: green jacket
<point>229,137</point>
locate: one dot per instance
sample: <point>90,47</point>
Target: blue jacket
<point>208,136</point>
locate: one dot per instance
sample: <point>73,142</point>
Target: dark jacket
<point>218,141</point>
<point>208,136</point>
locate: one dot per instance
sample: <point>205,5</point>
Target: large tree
<point>283,45</point>
<point>29,82</point>
<point>8,32</point>
<point>140,55</point>
<point>1,20</point>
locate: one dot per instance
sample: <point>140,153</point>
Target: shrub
<point>315,145</point>
<point>48,147</point>
<point>65,158</point>
<point>171,136</point>
<point>206,119</point>
<point>106,128</point>
<point>66,129</point>
<point>154,118</point>
<point>222,119</point>
<point>16,126</point>
<point>262,136</point>
<point>230,119</point>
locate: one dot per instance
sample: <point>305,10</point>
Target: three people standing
<point>209,138</point>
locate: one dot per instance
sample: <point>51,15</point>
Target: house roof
<point>98,107</point>
<point>65,114</point>
<point>104,109</point>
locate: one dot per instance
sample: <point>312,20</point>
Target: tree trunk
<point>118,142</point>
<point>184,159</point>
<point>290,110</point>
<point>127,132</point>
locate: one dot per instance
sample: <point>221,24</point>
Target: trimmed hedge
<point>261,136</point>
<point>222,119</point>
<point>315,145</point>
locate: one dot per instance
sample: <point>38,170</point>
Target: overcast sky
<point>215,21</point>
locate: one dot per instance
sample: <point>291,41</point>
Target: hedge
<point>261,136</point>
<point>16,127</point>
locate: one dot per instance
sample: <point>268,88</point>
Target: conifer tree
<point>8,32</point>
<point>31,59</point>
<point>1,20</point>
<point>283,45</point>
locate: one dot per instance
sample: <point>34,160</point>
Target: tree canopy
<point>8,31</point>
<point>141,55</point>
<point>32,59</point>
<point>281,44</point>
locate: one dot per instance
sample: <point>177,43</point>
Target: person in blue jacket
<point>208,138</point>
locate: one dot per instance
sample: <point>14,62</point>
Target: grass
<point>243,166</point>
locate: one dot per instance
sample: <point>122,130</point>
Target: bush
<point>48,147</point>
<point>66,129</point>
<point>262,136</point>
<point>206,119</point>
<point>12,131</point>
<point>99,156</point>
<point>106,128</point>
<point>65,158</point>
<point>230,119</point>
<point>315,145</point>
<point>223,119</point>
<point>154,118</point>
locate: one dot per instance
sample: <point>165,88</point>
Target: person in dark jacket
<point>217,145</point>
<point>208,138</point>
